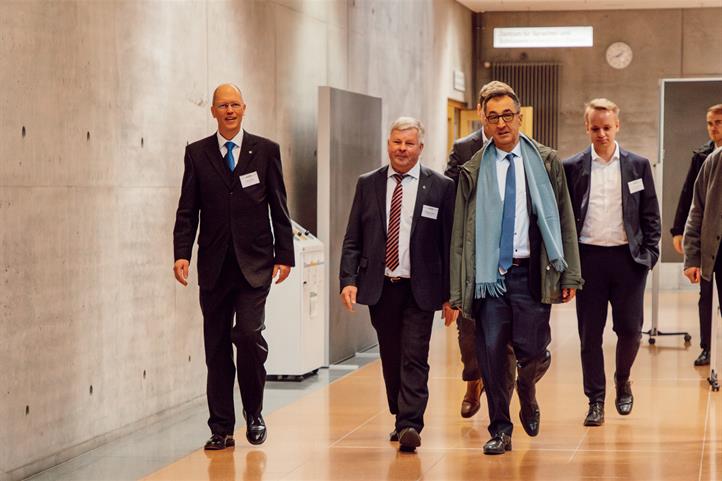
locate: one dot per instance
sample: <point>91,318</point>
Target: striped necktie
<point>392,237</point>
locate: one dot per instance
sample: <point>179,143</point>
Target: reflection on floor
<point>339,431</point>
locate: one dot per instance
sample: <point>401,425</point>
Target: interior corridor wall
<point>98,101</point>
<point>667,43</point>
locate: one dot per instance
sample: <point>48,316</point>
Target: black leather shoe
<point>499,444</point>
<point>595,415</point>
<point>530,421</point>
<point>255,429</point>
<point>529,374</point>
<point>702,359</point>
<point>218,442</point>
<point>394,436</point>
<point>409,440</point>
<point>624,400</point>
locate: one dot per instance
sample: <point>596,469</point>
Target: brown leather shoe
<point>470,405</point>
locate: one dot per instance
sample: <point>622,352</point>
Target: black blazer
<point>685,197</point>
<point>463,150</point>
<point>364,246</point>
<point>231,214</point>
<point>640,210</point>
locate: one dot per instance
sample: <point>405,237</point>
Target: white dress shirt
<point>521,217</point>
<point>410,186</point>
<point>238,140</point>
<point>604,223</point>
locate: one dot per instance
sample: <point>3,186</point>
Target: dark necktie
<point>229,155</point>
<point>392,237</point>
<point>506,243</point>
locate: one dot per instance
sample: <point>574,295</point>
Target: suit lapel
<point>380,188</point>
<point>583,183</point>
<point>422,194</point>
<point>213,153</point>
<point>247,154</point>
<point>627,175</point>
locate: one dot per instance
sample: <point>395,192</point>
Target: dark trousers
<point>518,319</point>
<point>404,332</point>
<point>705,303</point>
<point>469,359</point>
<point>611,276</point>
<point>231,297</point>
<point>467,346</point>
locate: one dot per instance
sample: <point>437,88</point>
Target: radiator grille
<point>537,85</point>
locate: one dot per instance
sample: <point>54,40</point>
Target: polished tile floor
<point>336,427</point>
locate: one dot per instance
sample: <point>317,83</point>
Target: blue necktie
<point>506,244</point>
<point>229,155</point>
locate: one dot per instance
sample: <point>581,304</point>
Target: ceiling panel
<point>539,5</point>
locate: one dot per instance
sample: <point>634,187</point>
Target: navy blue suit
<point>614,275</point>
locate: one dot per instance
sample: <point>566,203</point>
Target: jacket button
<point>548,267</point>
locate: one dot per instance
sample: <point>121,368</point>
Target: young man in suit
<point>617,216</point>
<point>395,259</point>
<point>461,152</point>
<point>232,179</point>
<point>714,130</point>
<point>513,254</point>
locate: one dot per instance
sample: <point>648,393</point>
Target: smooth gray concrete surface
<point>349,138</point>
<point>98,100</point>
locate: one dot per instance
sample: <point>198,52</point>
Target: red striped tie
<point>392,237</point>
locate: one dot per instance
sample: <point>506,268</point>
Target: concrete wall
<point>666,44</point>
<point>98,100</point>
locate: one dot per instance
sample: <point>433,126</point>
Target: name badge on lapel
<point>635,186</point>
<point>430,212</point>
<point>248,180</point>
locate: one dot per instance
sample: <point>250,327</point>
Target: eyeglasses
<point>506,116</point>
<point>233,106</point>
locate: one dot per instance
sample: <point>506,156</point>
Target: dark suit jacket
<point>231,215</point>
<point>364,246</point>
<point>462,151</point>
<point>639,210</point>
<point>685,197</point>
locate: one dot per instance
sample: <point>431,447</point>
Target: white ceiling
<point>566,5</point>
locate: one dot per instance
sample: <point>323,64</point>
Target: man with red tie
<point>395,259</point>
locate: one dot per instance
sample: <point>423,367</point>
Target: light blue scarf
<point>489,207</point>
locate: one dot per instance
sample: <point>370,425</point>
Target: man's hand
<point>450,314</point>
<point>180,269</point>
<point>677,242</point>
<point>282,272</point>
<point>348,296</point>
<point>568,294</point>
<point>693,274</point>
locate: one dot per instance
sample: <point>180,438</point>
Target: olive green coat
<point>463,237</point>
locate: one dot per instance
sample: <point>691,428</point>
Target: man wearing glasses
<point>233,179</point>
<point>617,214</point>
<point>462,151</point>
<point>513,253</point>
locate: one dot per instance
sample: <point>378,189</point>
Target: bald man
<point>233,179</point>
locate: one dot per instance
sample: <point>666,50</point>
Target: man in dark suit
<point>395,259</point>
<point>714,130</point>
<point>232,179</point>
<point>461,152</point>
<point>617,217</point>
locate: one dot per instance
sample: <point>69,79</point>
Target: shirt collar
<point>238,139</point>
<point>414,172</point>
<point>501,155</point>
<point>615,156</point>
